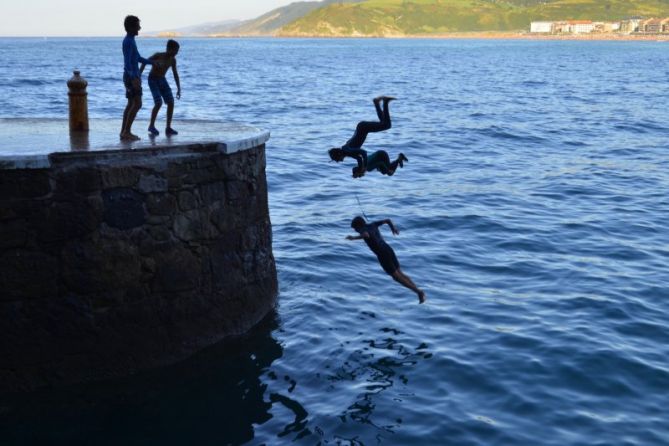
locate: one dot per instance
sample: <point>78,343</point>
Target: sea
<point>533,211</point>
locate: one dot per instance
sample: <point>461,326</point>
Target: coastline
<point>482,35</point>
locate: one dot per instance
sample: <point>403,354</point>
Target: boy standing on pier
<point>131,77</point>
<point>160,89</point>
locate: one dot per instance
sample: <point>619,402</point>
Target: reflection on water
<point>382,364</point>
<point>214,397</point>
<point>362,388</point>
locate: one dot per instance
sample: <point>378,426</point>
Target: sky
<point>105,17</point>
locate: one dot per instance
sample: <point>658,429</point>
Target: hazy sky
<point>105,17</point>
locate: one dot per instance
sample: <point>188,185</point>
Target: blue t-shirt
<point>131,57</point>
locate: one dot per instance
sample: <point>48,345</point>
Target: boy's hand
<point>350,237</point>
<point>358,172</point>
<point>395,231</point>
<point>178,94</point>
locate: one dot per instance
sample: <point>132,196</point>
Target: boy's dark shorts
<point>160,90</point>
<point>130,91</point>
<point>388,260</point>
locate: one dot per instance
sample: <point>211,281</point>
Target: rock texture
<point>111,262</point>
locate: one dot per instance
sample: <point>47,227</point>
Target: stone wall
<point>111,262</point>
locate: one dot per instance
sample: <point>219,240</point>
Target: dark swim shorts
<point>388,259</point>
<point>160,90</point>
<point>130,90</point>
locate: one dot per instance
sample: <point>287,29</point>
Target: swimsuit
<point>384,253</point>
<point>160,90</point>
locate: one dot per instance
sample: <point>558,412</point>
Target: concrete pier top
<point>31,143</point>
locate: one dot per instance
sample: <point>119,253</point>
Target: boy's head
<point>358,223</point>
<point>336,154</point>
<point>131,24</point>
<point>172,47</point>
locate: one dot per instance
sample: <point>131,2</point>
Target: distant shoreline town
<point>629,27</point>
<point>637,28</point>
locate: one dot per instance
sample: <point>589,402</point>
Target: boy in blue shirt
<point>131,77</point>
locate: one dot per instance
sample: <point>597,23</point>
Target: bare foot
<point>421,297</point>
<point>377,99</point>
<point>387,98</point>
<point>130,137</point>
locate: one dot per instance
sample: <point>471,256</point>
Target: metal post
<point>78,103</point>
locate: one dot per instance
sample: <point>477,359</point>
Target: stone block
<point>178,270</point>
<point>19,183</point>
<point>211,193</point>
<point>152,183</point>
<point>236,190</point>
<point>193,225</point>
<point>123,208</point>
<point>92,266</point>
<point>187,200</point>
<point>28,275</point>
<point>161,204</point>
<point>14,233</point>
<point>68,219</point>
<point>120,176</point>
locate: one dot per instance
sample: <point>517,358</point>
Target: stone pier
<point>116,257</point>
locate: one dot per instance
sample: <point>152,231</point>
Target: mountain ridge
<point>361,18</point>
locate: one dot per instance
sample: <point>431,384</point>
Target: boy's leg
<point>386,111</point>
<point>380,161</point>
<point>136,105</point>
<point>379,112</point>
<point>126,113</point>
<point>166,92</point>
<point>403,279</point>
<point>398,162</point>
<point>170,113</point>
<point>154,115</point>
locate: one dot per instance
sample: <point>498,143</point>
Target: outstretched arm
<point>358,237</point>
<point>145,61</point>
<point>176,78</point>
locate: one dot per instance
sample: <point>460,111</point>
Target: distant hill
<point>271,22</point>
<point>425,17</point>
<point>330,18</point>
<point>264,25</point>
<point>203,29</point>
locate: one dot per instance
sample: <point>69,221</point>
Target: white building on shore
<point>541,27</point>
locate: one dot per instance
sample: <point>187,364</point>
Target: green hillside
<point>421,17</point>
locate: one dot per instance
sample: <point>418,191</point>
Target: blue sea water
<point>533,211</point>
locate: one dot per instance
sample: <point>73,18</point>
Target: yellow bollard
<point>78,103</point>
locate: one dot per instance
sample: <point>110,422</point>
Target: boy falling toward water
<point>160,89</point>
<point>131,77</point>
<point>384,253</point>
<point>378,160</point>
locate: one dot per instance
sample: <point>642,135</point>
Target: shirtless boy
<point>160,89</point>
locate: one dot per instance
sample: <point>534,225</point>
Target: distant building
<point>541,27</point>
<point>606,27</point>
<point>630,26</point>
<point>581,26</point>
<point>651,26</point>
<point>627,26</point>
<point>665,26</point>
